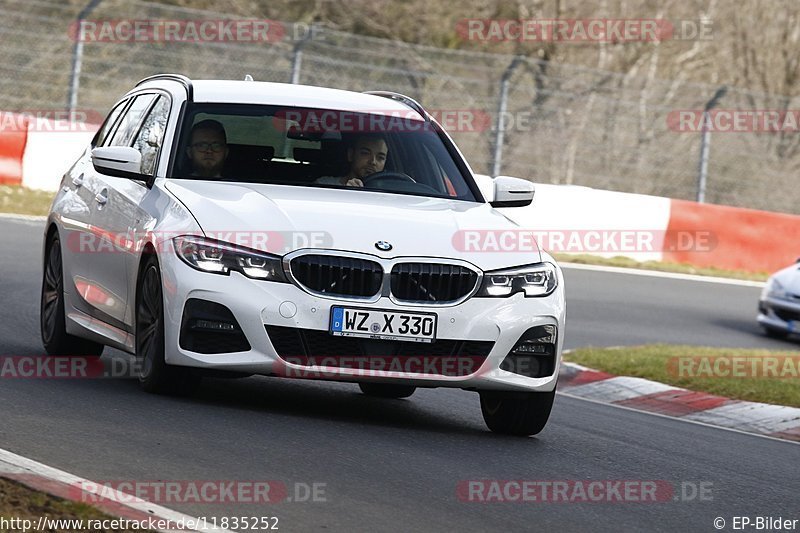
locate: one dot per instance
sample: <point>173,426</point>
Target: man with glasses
<point>208,149</point>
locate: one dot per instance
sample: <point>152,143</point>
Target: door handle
<point>78,180</point>
<point>101,197</point>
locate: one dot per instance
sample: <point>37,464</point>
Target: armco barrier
<point>12,147</point>
<point>743,239</point>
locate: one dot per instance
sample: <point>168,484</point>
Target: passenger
<point>208,149</point>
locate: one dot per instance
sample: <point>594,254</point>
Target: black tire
<point>52,318</point>
<point>516,413</point>
<point>775,333</point>
<point>387,390</point>
<point>155,375</point>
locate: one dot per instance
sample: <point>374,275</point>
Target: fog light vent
<point>210,328</point>
<point>533,354</point>
<point>211,325</point>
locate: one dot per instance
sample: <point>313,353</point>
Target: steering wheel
<point>387,175</point>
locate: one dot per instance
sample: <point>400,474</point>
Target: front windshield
<point>319,148</point>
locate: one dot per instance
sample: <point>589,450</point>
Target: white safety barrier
<point>581,220</point>
<point>49,154</point>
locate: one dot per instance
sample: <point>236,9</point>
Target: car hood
<point>309,217</point>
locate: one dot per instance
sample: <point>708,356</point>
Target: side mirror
<point>512,192</point>
<point>118,161</point>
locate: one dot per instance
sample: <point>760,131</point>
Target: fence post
<point>297,57</point>
<point>77,58</point>
<point>499,134</point>
<point>705,144</point>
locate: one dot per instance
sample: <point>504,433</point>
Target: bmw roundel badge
<point>383,245</point>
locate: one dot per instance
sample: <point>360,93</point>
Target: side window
<point>151,135</point>
<point>131,120</point>
<point>109,123</point>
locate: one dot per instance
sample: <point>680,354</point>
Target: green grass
<point>19,501</point>
<point>658,362</point>
<point>680,268</point>
<point>22,201</point>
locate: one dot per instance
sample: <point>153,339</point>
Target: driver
<point>366,155</point>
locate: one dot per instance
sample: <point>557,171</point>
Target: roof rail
<point>407,100</point>
<point>180,78</point>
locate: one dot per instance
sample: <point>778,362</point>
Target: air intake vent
<point>448,357</point>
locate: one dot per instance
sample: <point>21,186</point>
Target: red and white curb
<point>110,501</point>
<point>644,395</point>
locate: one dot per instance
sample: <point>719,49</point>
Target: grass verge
<point>627,262</point>
<point>19,501</point>
<point>668,364</point>
<point>22,201</point>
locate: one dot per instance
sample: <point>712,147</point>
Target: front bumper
<point>257,305</point>
<point>779,314</point>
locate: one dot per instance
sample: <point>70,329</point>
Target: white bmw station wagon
<point>294,231</point>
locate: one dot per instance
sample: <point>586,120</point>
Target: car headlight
<point>219,257</point>
<point>775,289</point>
<point>533,280</point>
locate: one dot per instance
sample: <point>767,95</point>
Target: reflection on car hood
<point>789,277</point>
<point>347,220</point>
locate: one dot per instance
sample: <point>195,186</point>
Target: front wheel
<point>155,375</point>
<point>387,390</point>
<point>516,413</point>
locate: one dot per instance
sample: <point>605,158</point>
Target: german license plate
<point>382,324</point>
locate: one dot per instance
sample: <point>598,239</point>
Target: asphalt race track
<point>394,465</point>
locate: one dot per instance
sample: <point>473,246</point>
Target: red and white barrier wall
<point>743,239</point>
<point>659,229</point>
<point>48,155</point>
<point>35,151</point>
<point>12,148</point>
<point>573,219</point>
